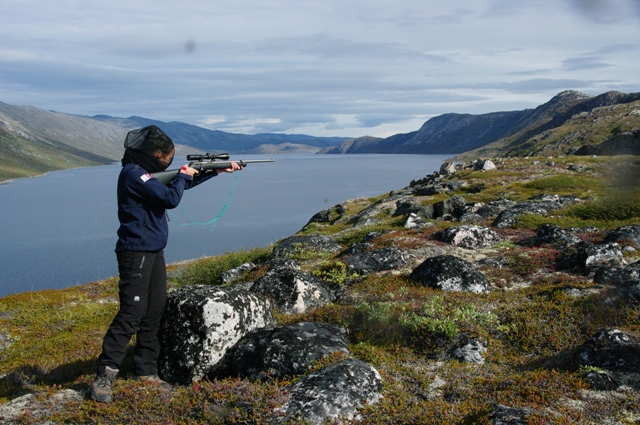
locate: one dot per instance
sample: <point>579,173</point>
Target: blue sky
<point>322,67</point>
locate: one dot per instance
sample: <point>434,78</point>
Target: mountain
<point>514,133</point>
<point>34,141</point>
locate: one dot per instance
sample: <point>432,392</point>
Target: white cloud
<point>348,68</point>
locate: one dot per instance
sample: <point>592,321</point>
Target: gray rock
<point>293,291</point>
<point>286,350</point>
<point>377,260</point>
<point>415,222</point>
<point>469,236</point>
<point>553,235</point>
<point>630,233</point>
<point>201,323</point>
<point>450,273</point>
<point>601,381</point>
<point>334,393</point>
<point>468,350</point>
<point>235,273</point>
<point>592,256</point>
<point>504,415</point>
<point>447,168</point>
<point>611,349</point>
<point>484,165</point>
<point>623,277</point>
<point>454,206</point>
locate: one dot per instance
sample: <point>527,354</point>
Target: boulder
<point>623,277</point>
<point>484,165</point>
<point>539,204</point>
<point>450,273</point>
<point>601,381</point>
<point>447,168</point>
<point>235,273</point>
<point>469,236</point>
<point>295,244</point>
<point>286,350</point>
<point>550,234</point>
<point>508,218</point>
<point>293,291</point>
<point>377,260</point>
<point>201,323</point>
<point>415,222</point>
<point>611,349</point>
<point>504,415</point>
<point>454,206</point>
<point>333,394</point>
<point>408,206</point>
<point>468,350</point>
<point>629,233</point>
<point>592,256</point>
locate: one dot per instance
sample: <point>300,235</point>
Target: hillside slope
<point>514,133</point>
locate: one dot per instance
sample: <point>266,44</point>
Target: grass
<point>50,340</point>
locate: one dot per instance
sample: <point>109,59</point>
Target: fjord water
<point>59,230</point>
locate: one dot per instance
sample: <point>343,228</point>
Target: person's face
<point>165,159</point>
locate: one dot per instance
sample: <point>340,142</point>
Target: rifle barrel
<point>165,177</point>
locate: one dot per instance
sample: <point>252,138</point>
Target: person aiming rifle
<point>142,237</point>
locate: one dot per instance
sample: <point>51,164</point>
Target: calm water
<point>60,230</point>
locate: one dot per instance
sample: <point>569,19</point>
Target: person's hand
<point>185,169</point>
<point>234,167</point>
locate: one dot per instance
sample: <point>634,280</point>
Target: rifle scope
<point>213,156</point>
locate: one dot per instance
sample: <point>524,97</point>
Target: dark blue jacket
<point>142,205</point>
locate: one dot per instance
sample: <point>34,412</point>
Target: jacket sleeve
<point>199,178</point>
<point>150,190</point>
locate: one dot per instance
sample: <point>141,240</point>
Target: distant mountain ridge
<point>511,133</point>
<point>33,141</point>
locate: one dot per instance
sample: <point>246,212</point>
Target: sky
<point>323,67</point>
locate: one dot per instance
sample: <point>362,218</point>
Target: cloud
<point>325,68</point>
<point>584,62</point>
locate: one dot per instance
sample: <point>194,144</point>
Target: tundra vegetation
<point>530,321</point>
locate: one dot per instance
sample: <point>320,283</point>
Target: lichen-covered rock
<point>591,256</point>
<point>450,273</point>
<point>201,323</point>
<point>334,393</point>
<point>484,165</point>
<point>286,350</point>
<point>469,236</point>
<point>601,381</point>
<point>540,204</point>
<point>293,291</point>
<point>408,206</point>
<point>235,273</point>
<point>611,349</point>
<point>416,222</point>
<point>623,277</point>
<point>447,168</point>
<point>295,244</point>
<point>377,260</point>
<point>625,233</point>
<point>553,235</point>
<point>468,350</point>
<point>453,206</point>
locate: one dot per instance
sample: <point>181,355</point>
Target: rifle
<point>205,163</point>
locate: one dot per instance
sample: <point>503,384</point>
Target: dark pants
<point>143,294</point>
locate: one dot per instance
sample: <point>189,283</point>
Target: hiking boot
<point>153,380</point>
<point>100,389</point>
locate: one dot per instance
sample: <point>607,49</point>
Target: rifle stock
<point>165,177</point>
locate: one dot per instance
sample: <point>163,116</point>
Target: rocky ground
<point>496,292</point>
